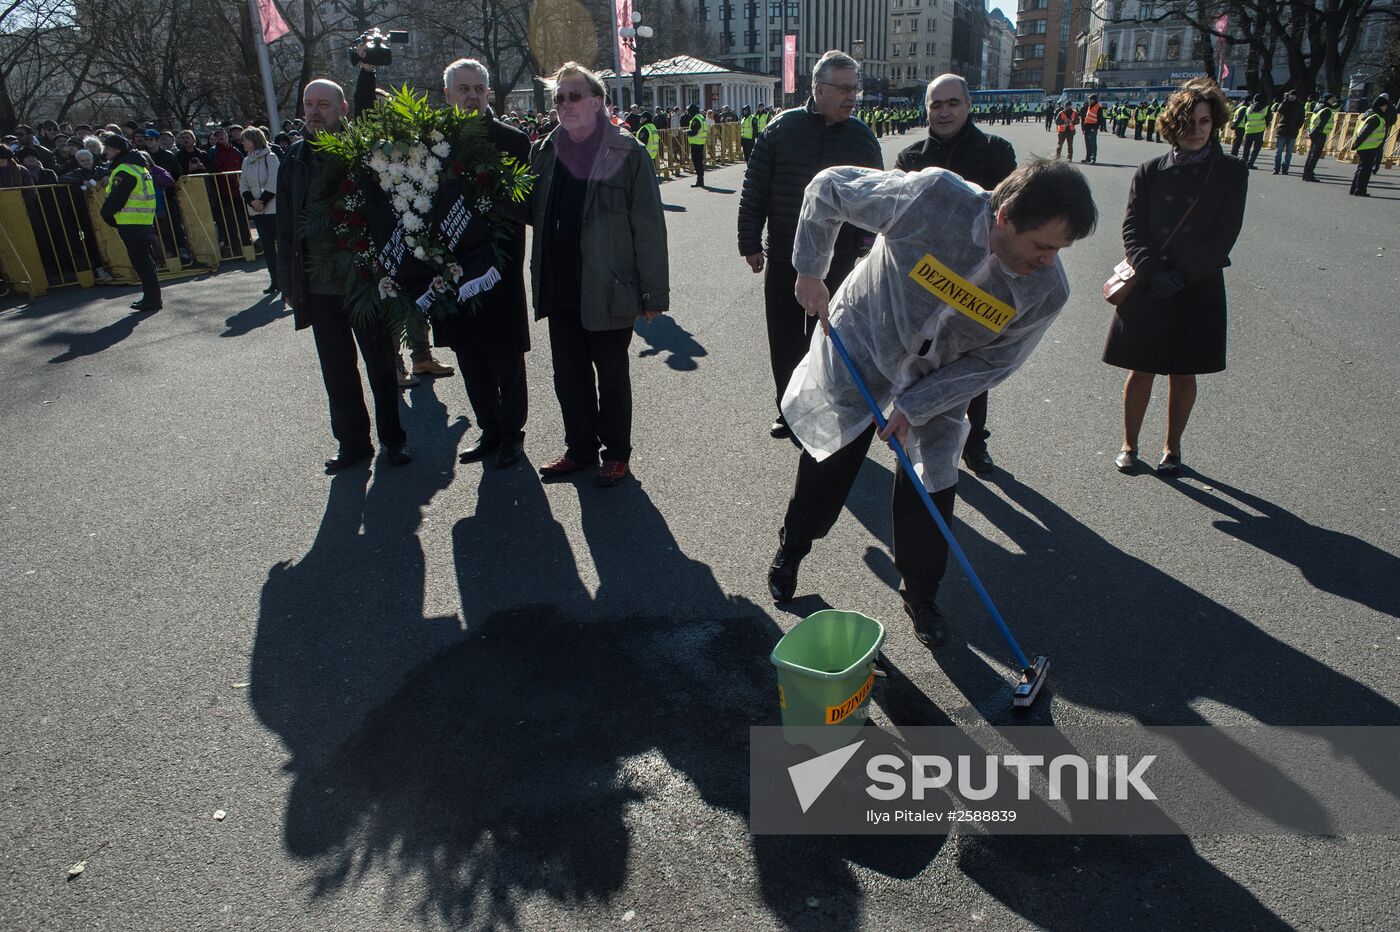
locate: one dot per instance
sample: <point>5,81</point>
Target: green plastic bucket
<point>825,675</point>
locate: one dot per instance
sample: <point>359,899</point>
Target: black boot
<point>782,574</point>
<point>929,625</point>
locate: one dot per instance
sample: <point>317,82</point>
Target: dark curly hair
<point>1176,118</point>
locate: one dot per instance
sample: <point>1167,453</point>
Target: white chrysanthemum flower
<point>400,203</point>
<point>431,185</point>
<point>442,149</point>
<point>433,165</point>
<point>422,204</point>
<point>405,189</point>
<point>420,253</point>
<point>415,152</point>
<point>378,162</point>
<point>385,182</point>
<point>412,223</point>
<point>436,136</point>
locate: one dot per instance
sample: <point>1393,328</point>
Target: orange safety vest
<point>1064,120</point>
<point>1093,114</point>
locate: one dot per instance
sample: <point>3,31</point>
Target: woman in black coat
<point>1173,322</point>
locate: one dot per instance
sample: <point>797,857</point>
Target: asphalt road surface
<point>445,696</point>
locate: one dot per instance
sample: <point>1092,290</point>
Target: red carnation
<point>347,186</point>
<point>337,216</point>
<point>459,167</point>
<point>357,220</point>
<point>483,179</point>
<point>360,245</point>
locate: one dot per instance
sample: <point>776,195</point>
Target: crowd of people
<point>940,276</point>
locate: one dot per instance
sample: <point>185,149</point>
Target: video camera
<point>376,44</point>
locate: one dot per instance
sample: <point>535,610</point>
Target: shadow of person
<point>1131,640</point>
<point>337,627</point>
<point>507,761</point>
<point>269,309</point>
<point>89,343</point>
<point>1337,563</point>
<point>663,334</point>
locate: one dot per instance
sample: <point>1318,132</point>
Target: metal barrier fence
<point>53,236</point>
<point>1344,127</point>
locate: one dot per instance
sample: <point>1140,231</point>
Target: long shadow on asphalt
<point>88,343</point>
<point>264,312</point>
<point>664,335</point>
<point>1127,638</point>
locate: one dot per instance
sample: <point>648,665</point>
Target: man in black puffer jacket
<point>786,157</point>
<point>956,144</point>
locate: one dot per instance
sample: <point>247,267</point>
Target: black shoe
<point>1170,464</point>
<point>271,289</point>
<point>1126,461</point>
<point>979,461</point>
<point>144,307</point>
<point>399,455</point>
<point>929,625</point>
<point>508,453</point>
<point>349,457</point>
<point>779,430</point>
<point>485,445</point>
<point>782,573</point>
<point>1275,171</point>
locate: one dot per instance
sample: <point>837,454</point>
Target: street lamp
<point>630,35</point>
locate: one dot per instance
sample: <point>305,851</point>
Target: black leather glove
<point>1162,285</point>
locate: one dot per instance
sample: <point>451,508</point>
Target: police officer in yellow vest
<point>1319,128</point>
<point>764,116</point>
<point>646,135</point>
<point>1256,120</point>
<point>748,131</point>
<point>130,207</point>
<point>1367,142</point>
<point>696,134</point>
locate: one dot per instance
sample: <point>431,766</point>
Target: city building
<point>1125,49</point>
<point>1049,50</point>
<point>998,43</point>
<point>750,35</point>
<point>969,27</point>
<point>921,44</point>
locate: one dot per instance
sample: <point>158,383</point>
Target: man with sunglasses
<point>797,145</point>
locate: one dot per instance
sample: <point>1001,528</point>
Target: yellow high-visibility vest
<point>696,136</point>
<point>140,207</point>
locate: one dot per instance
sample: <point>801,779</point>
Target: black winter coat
<point>982,159</point>
<point>1290,118</point>
<point>502,320</point>
<point>786,157</point>
<point>1183,334</point>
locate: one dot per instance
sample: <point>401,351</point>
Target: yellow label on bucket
<point>836,713</point>
<point>782,699</point>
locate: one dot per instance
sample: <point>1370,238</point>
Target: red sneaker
<point>563,466</point>
<point>611,472</point>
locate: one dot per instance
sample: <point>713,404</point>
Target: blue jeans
<point>1283,152</point>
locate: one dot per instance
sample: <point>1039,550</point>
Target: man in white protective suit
<point>960,287</point>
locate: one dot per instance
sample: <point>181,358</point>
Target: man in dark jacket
<point>956,144</point>
<point>130,208</point>
<point>1368,143</point>
<point>1290,121</point>
<point>322,307</point>
<point>786,157</point>
<point>491,343</point>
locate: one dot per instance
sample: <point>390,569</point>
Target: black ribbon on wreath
<point>465,231</point>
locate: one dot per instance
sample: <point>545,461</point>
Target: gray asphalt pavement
<point>442,696</point>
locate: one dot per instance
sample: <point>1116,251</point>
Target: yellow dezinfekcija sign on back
<point>961,295</point>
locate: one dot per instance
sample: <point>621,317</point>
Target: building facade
<point>750,34</point>
<point>969,30</point>
<point>998,43</point>
<point>921,44</point>
<point>1050,45</point>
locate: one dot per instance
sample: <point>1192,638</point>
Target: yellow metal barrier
<point>46,238</point>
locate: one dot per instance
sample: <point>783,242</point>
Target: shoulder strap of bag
<point>1194,201</point>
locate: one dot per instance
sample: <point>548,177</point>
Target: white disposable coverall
<point>912,348</point>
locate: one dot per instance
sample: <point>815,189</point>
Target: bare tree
<point>33,36</point>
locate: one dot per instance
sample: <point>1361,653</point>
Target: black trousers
<point>1253,142</point>
<point>748,147</point>
<point>495,387</point>
<point>267,236</point>
<point>1151,129</point>
<point>138,240</point>
<point>920,552</point>
<point>593,383</point>
<point>697,158</point>
<point>1316,143</point>
<point>789,327</point>
<point>1091,143</point>
<point>335,346</point>
<point>1366,162</point>
<point>977,417</point>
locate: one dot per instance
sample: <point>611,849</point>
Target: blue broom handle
<point>928,502</point>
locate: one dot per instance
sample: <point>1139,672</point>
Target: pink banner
<point>626,52</point>
<point>789,64</point>
<point>1221,25</point>
<point>274,26</point>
